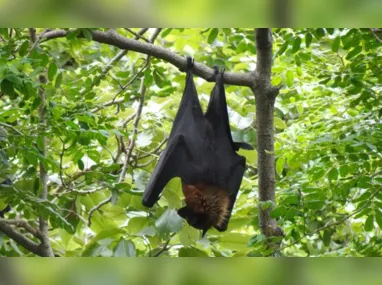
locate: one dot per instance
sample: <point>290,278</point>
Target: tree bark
<point>265,95</point>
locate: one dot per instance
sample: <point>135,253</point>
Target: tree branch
<point>23,224</point>
<point>142,91</point>
<point>265,95</point>
<point>20,238</point>
<point>45,242</point>
<point>375,35</point>
<point>112,38</point>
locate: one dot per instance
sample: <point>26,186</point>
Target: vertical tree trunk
<point>265,95</point>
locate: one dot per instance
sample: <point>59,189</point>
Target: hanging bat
<point>201,152</point>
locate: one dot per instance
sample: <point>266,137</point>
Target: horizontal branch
<point>113,38</point>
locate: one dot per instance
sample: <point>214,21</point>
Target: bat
<point>200,151</point>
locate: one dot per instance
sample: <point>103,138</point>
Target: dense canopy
<point>83,121</point>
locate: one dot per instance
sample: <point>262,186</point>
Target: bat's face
<point>199,221</point>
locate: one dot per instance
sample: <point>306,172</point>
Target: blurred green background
<point>281,13</point>
<point>194,271</point>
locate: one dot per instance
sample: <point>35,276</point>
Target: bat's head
<point>199,221</point>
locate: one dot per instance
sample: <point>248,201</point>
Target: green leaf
<point>71,35</point>
<point>36,186</point>
<point>23,50</point>
<point>158,80</point>
<point>4,32</point>
<point>279,124</point>
<point>87,34</point>
<point>344,170</point>
<point>280,165</point>
<point>165,33</point>
<point>378,219</point>
<point>296,45</point>
<point>114,196</point>
<point>333,174</point>
<point>124,248</point>
<point>289,78</point>
<point>58,81</point>
<point>169,222</point>
<point>308,39</point>
<point>7,87</point>
<point>191,252</point>
<point>320,33</point>
<point>212,35</point>
<point>283,48</point>
<point>52,70</point>
<point>354,52</point>
<point>80,164</point>
<point>327,238</point>
<point>278,212</point>
<point>188,235</point>
<point>336,44</point>
<point>369,223</point>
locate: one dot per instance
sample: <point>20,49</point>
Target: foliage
<point>328,142</point>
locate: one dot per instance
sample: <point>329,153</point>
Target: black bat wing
<point>186,154</point>
<point>231,165</point>
<point>217,110</point>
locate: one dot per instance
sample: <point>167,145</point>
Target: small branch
<point>96,208</point>
<point>120,54</point>
<point>61,159</point>
<point>12,128</point>
<point>348,216</point>
<point>142,91</point>
<point>128,120</point>
<point>137,35</point>
<point>20,238</point>
<point>145,164</point>
<point>154,151</point>
<point>34,40</point>
<point>367,204</point>
<point>375,35</point>
<point>135,131</point>
<point>107,104</point>
<point>165,246</point>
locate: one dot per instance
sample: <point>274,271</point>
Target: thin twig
<point>376,36</point>
<point>154,151</point>
<point>165,246</point>
<point>135,131</point>
<point>145,164</point>
<point>335,223</point>
<point>12,128</point>
<point>61,159</point>
<point>142,91</point>
<point>36,41</point>
<point>96,208</point>
<point>137,35</point>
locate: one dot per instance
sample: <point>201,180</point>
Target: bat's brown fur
<point>210,201</point>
